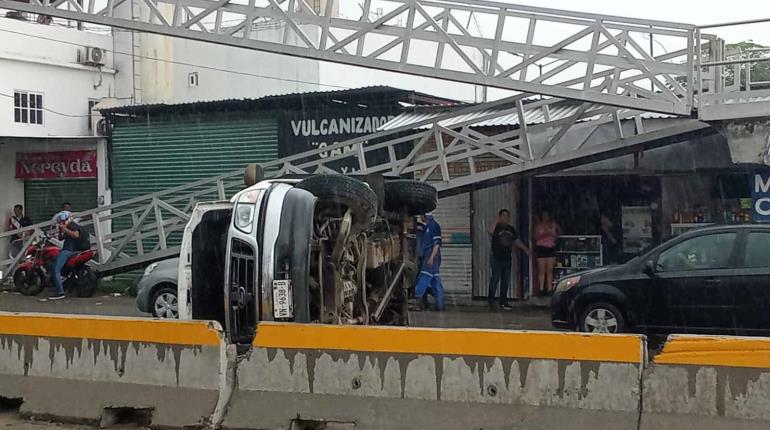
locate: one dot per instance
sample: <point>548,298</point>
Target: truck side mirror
<point>649,268</point>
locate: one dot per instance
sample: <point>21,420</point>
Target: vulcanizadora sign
<point>316,129</point>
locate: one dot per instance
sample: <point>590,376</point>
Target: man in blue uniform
<point>429,279</point>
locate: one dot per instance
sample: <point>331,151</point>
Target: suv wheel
<point>602,317</point>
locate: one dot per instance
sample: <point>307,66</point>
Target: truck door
<point>202,262</point>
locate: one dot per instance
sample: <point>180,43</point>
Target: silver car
<point>157,289</point>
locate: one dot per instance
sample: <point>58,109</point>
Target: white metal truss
<point>450,152</point>
<point>603,63</point>
<point>445,150</point>
<point>524,49</point>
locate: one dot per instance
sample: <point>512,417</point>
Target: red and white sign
<point>56,165</point>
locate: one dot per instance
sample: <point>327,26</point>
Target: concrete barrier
<point>398,378</point>
<point>708,382</point>
<point>78,368</point>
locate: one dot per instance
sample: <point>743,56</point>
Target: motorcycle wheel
<point>84,282</point>
<point>29,282</point>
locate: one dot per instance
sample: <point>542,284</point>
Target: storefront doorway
<point>55,177</point>
<point>631,204</point>
<point>43,198</point>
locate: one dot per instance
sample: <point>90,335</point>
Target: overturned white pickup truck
<point>324,248</point>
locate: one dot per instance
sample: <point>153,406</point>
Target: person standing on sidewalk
<point>504,242</point>
<point>429,279</point>
<point>18,220</point>
<point>547,233</point>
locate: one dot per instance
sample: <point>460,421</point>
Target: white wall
<point>159,71</point>
<point>164,82</point>
<point>31,59</point>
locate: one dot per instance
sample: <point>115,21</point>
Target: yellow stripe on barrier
<point>716,351</point>
<point>106,328</point>
<point>487,343</point>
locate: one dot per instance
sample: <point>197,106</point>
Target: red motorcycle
<point>34,272</point>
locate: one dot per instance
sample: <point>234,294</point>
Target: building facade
<point>161,69</point>
<point>51,76</point>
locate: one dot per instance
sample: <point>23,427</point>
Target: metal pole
<point>531,234</point>
<point>740,61</point>
<point>728,24</point>
<point>652,55</point>
<point>386,299</point>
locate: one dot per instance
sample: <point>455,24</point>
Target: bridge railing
<point>135,232</point>
<point>727,89</point>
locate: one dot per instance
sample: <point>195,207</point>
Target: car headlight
<point>244,210</point>
<point>244,217</point>
<point>150,268</point>
<point>567,283</point>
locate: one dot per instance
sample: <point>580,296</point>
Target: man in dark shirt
<point>75,240</point>
<point>612,240</point>
<point>504,240</point>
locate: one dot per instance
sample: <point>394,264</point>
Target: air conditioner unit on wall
<point>99,124</point>
<point>91,56</point>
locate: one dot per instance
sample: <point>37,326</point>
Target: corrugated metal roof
<point>300,98</point>
<point>556,111</point>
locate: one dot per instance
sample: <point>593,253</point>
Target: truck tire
<point>340,193</point>
<point>410,197</point>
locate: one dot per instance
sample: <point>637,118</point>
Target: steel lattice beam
<point>447,150</point>
<point>427,38</point>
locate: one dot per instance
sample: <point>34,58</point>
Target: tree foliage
<point>759,71</point>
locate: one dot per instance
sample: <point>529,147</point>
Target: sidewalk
<point>466,301</point>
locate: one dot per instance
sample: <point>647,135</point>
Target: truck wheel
<point>410,197</point>
<point>339,193</point>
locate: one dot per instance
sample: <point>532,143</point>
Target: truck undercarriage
<point>361,258</point>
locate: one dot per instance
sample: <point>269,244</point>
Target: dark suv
<point>711,280</point>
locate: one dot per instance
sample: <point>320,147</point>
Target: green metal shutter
<point>43,198</point>
<point>148,157</point>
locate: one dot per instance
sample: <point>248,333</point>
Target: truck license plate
<point>282,299</point>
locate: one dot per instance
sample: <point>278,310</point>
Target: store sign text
<point>318,131</point>
<point>342,128</point>
<point>56,165</point>
<point>760,197</point>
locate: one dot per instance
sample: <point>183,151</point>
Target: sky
<point>684,11</point>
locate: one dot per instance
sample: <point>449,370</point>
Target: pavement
<point>10,419</point>
<point>100,304</point>
<point>459,313</point>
